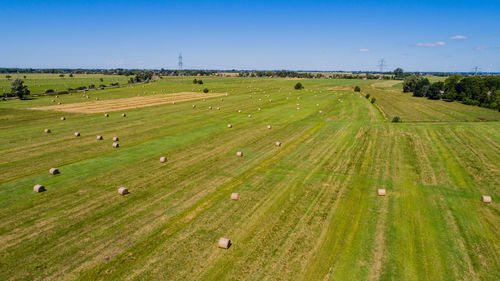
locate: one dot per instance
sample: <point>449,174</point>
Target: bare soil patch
<point>102,106</point>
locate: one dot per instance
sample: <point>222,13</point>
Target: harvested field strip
<point>102,106</point>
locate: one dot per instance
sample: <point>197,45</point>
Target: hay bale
<point>235,196</point>
<point>99,137</point>
<point>321,111</point>
<point>173,102</point>
<point>54,171</point>
<point>47,131</point>
<point>116,139</point>
<point>63,118</point>
<point>277,143</point>
<point>38,188</point>
<point>486,199</point>
<point>77,134</point>
<point>298,108</point>
<point>317,104</point>
<point>249,116</point>
<point>106,115</point>
<point>116,145</point>
<point>381,192</point>
<point>259,109</point>
<point>218,108</point>
<point>239,154</point>
<point>123,191</point>
<point>224,243</point>
<point>239,111</point>
<point>53,100</point>
<point>59,103</point>
<point>210,107</point>
<point>96,98</point>
<point>269,127</point>
<point>229,125</point>
<point>194,105</point>
<point>163,159</point>
<point>298,104</point>
<point>124,115</point>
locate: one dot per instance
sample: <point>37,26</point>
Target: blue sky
<point>297,35</point>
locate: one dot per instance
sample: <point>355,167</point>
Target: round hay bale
<point>47,131</point>
<point>229,125</point>
<point>116,145</point>
<point>277,143</point>
<point>116,139</point>
<point>321,111</point>
<point>54,171</point>
<point>96,98</point>
<point>259,109</point>
<point>298,104</point>
<point>77,134</point>
<point>486,199</point>
<point>38,188</point>
<point>224,243</point>
<point>381,192</point>
<point>173,102</point>
<point>270,100</point>
<point>59,103</point>
<point>123,191</point>
<point>269,127</point>
<point>124,115</point>
<point>106,115</point>
<point>317,104</point>
<point>63,118</point>
<point>53,100</point>
<point>99,137</point>
<point>239,154</point>
<point>210,107</point>
<point>57,96</point>
<point>226,94</point>
<point>249,116</point>
<point>235,196</point>
<point>221,99</point>
<point>163,159</point>
<point>218,108</point>
<point>194,105</point>
<point>239,111</point>
<point>298,108</point>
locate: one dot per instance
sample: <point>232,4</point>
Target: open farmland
<point>39,83</point>
<point>309,209</point>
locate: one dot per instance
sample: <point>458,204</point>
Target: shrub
<point>396,119</point>
<point>299,86</point>
<point>102,86</point>
<point>367,96</point>
<point>205,90</point>
<point>195,81</point>
<point>71,75</point>
<point>18,89</point>
<point>200,82</point>
<point>61,75</point>
<point>91,86</point>
<point>63,92</point>
<point>81,88</point>
<point>357,89</point>
<point>49,91</point>
<point>373,100</point>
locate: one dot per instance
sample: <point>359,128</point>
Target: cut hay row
<point>127,103</point>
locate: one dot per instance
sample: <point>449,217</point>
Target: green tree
<point>205,90</point>
<point>299,86</point>
<point>409,83</point>
<point>435,91</point>
<point>421,87</point>
<point>71,75</point>
<point>357,89</point>
<point>18,89</point>
<point>450,87</point>
<point>8,76</point>
<point>399,73</point>
<point>61,75</point>
<point>195,81</point>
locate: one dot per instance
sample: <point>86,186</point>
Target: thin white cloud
<point>363,50</point>
<point>480,48</point>
<point>434,44</point>
<point>458,37</point>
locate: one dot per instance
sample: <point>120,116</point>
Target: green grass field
<point>39,83</point>
<point>309,209</point>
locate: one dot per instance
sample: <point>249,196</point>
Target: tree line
<point>477,90</point>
